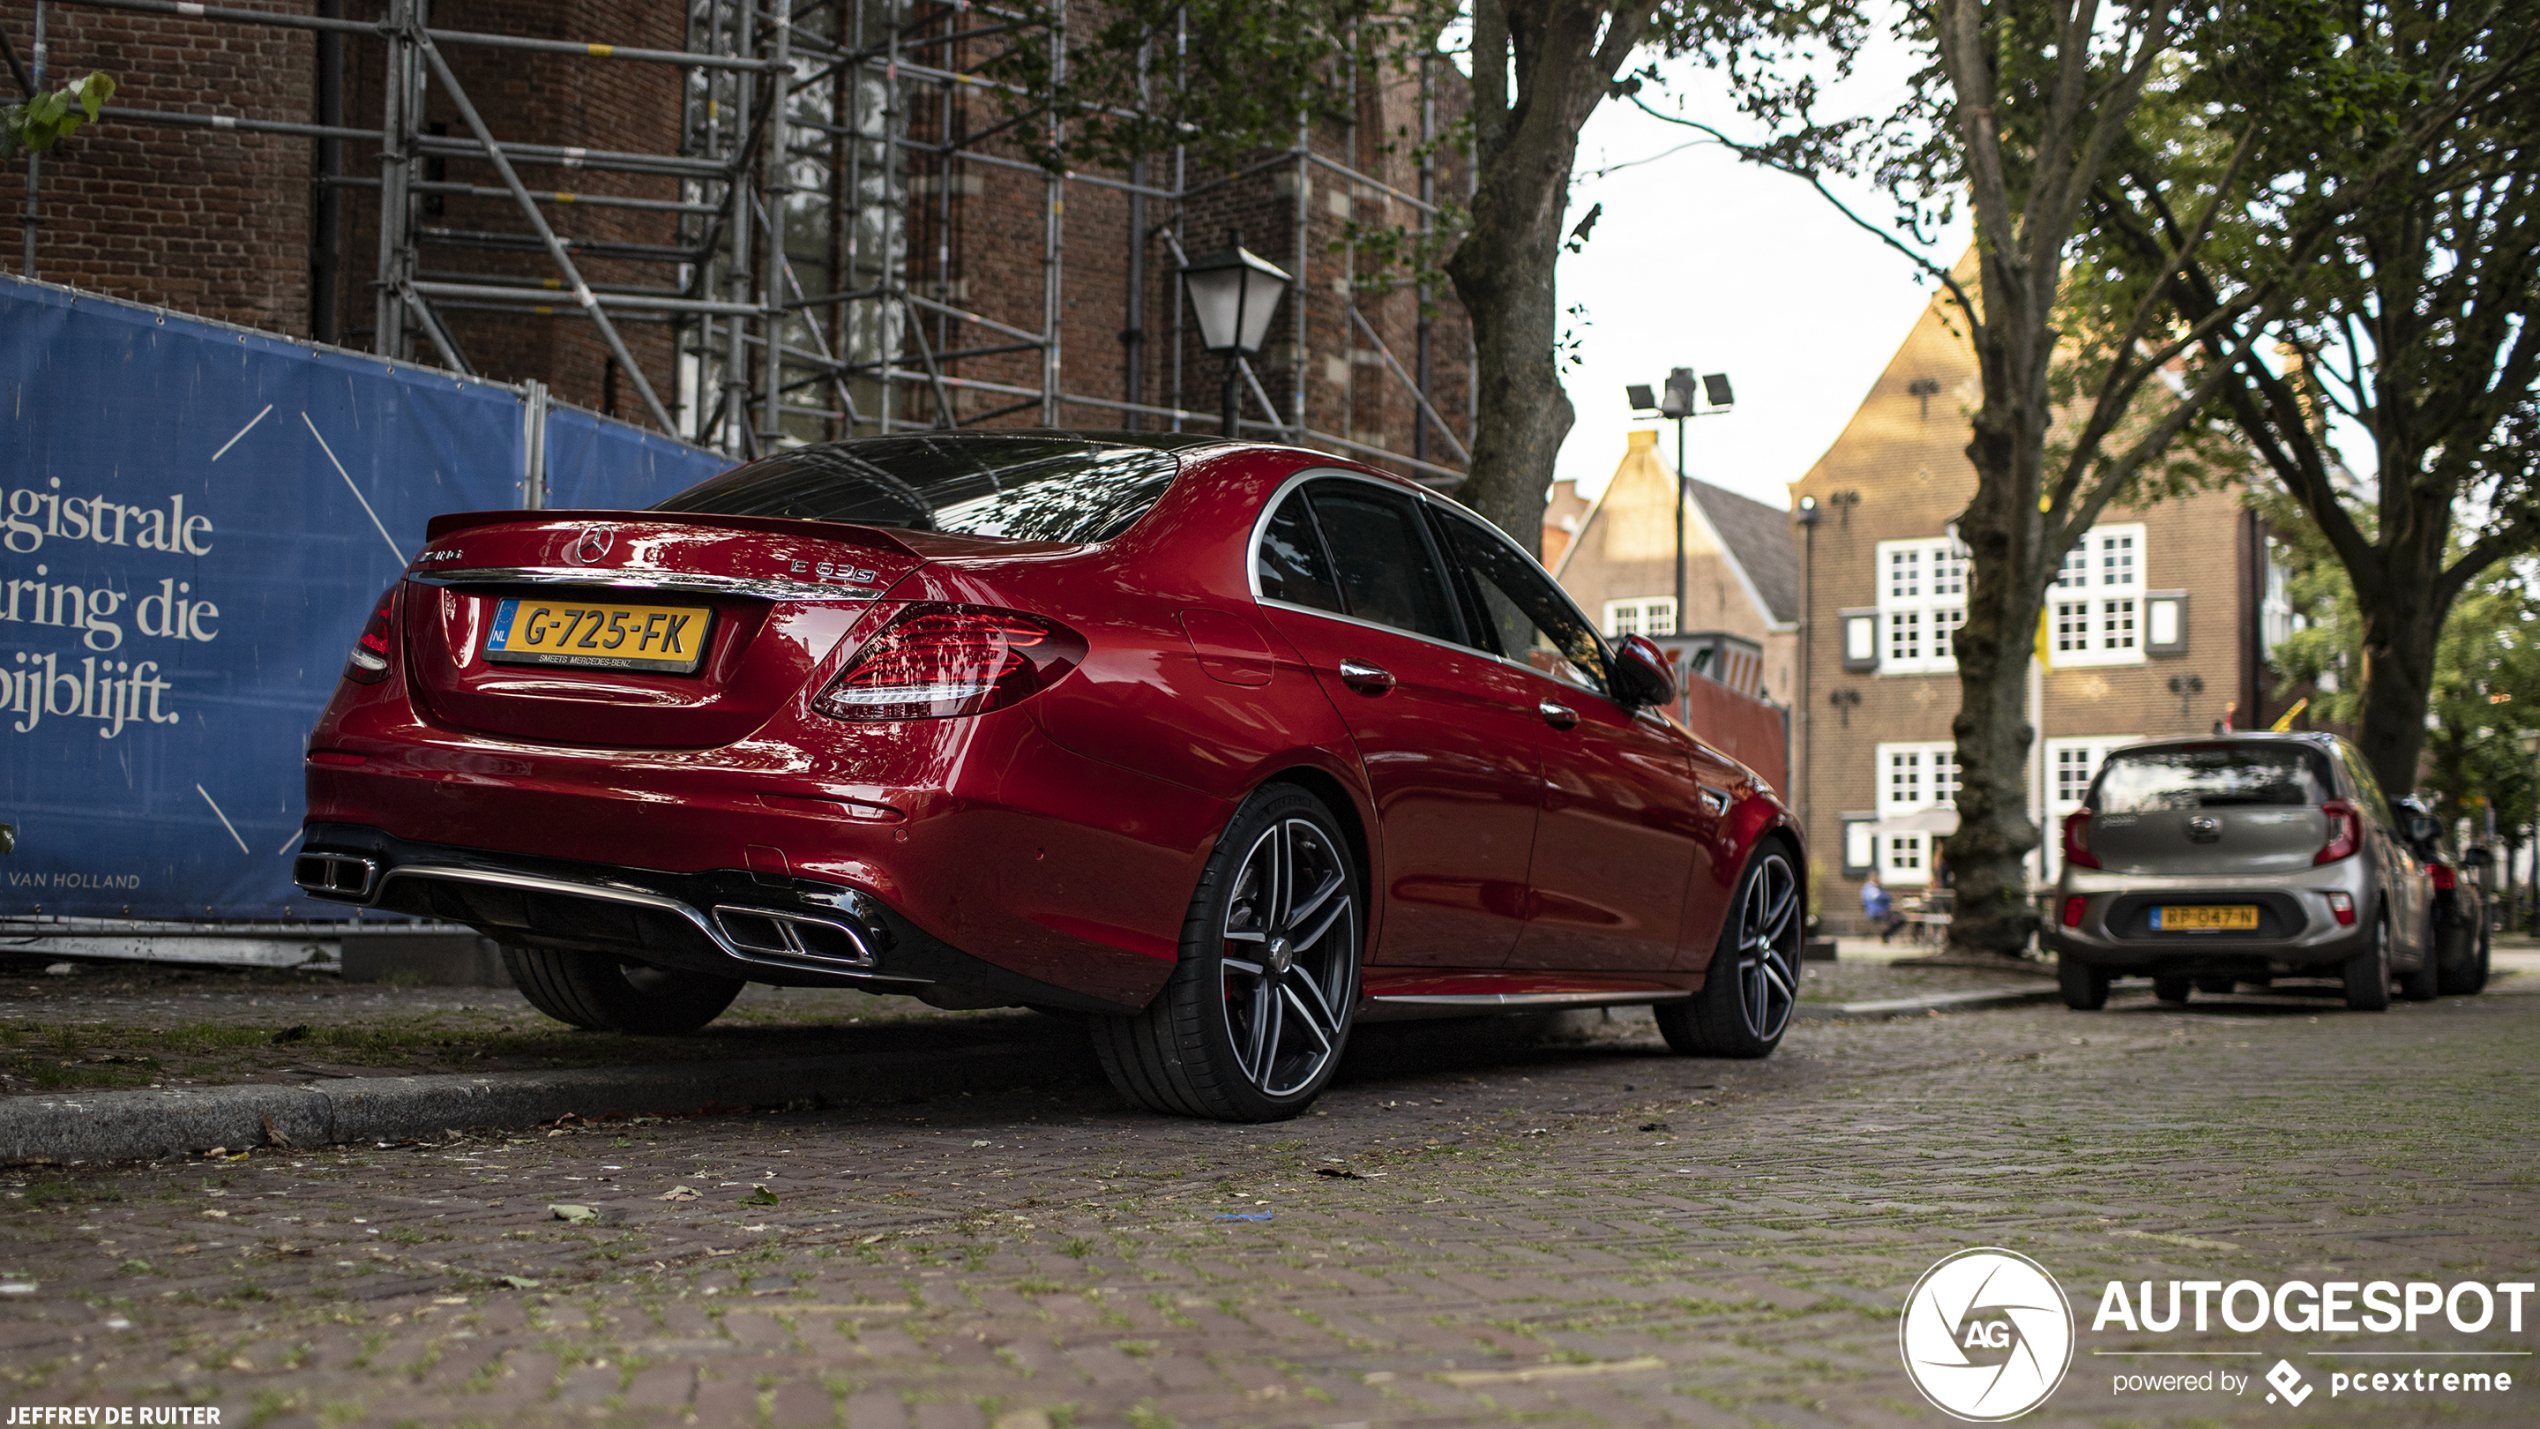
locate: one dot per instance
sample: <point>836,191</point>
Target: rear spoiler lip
<point>455,521</point>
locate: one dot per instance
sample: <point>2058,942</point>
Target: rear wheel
<point>2085,987</point>
<point>2426,983</point>
<point>2470,974</point>
<point>2368,972</point>
<point>1753,986</point>
<point>609,994</point>
<point>2173,989</point>
<point>1252,1023</point>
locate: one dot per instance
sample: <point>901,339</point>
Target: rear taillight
<point>2077,840</point>
<point>936,661</point>
<point>2445,880</point>
<point>2345,832</point>
<point>376,647</point>
<point>2072,910</point>
<point>2343,905</point>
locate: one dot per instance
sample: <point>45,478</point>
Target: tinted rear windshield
<point>1043,487</point>
<point>2211,776</point>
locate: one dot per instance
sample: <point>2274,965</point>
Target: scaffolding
<point>811,218</point>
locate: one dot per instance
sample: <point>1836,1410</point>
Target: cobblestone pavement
<point>1477,1226</point>
<point>133,1026</point>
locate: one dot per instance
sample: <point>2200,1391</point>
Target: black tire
<point>2174,990</point>
<point>1253,1021</point>
<point>1752,989</point>
<point>2367,973</point>
<point>2220,985</point>
<point>2085,987</point>
<point>2426,983</point>
<point>609,994</point>
<point>2470,976</point>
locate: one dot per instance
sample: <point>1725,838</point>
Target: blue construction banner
<point>194,520</point>
<point>607,465</point>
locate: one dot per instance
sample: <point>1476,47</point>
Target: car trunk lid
<point>632,629</point>
<point>2209,841</point>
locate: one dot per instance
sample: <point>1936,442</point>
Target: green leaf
<point>759,1196</point>
<point>518,1282</point>
<point>95,90</point>
<point>576,1215</point>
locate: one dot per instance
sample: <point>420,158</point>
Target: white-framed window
<point>1643,615</point>
<point>2070,766</point>
<point>2094,611</point>
<point>1922,602</point>
<point>1912,778</point>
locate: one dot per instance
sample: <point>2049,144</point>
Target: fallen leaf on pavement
<point>577,1215</point>
<point>679,1193</point>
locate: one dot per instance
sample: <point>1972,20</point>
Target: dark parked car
<point>1225,745</point>
<point>2213,862</point>
<point>2461,920</point>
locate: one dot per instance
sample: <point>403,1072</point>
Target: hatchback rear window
<point>1043,486</point>
<point>2211,776</point>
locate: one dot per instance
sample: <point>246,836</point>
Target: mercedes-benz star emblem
<point>593,543</point>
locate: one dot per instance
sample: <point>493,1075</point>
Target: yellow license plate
<point>600,634</point>
<point>2223,917</point>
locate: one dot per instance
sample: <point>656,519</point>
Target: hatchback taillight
<point>936,661</point>
<point>377,643</point>
<point>2345,832</point>
<point>2077,840</point>
<point>2445,880</point>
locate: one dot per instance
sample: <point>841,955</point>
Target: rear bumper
<point>731,923</point>
<point>2302,936</point>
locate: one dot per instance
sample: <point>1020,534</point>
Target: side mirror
<point>2477,858</point>
<point>2423,828</point>
<point>1642,675</point>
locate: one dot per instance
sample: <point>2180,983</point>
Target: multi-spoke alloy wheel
<point>1753,985</point>
<point>1255,1017</point>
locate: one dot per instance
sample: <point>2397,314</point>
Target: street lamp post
<point>1233,291</point>
<point>1678,403</point>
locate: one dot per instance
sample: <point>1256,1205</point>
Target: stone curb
<point>148,1125</point>
<point>1934,1002</point>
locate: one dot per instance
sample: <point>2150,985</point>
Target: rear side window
<point>1532,622</point>
<point>1041,487</point>
<point>2211,776</point>
<point>1289,564</point>
<point>1387,571</point>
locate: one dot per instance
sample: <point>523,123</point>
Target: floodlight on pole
<point>1233,293</point>
<point>1675,399</point>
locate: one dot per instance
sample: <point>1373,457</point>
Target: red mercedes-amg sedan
<point>1228,746</point>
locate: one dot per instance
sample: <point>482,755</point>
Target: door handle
<point>1557,716</point>
<point>1365,678</point>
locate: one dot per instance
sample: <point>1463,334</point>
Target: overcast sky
<point>1703,261</point>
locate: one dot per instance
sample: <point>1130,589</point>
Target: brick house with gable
<point>2155,629</point>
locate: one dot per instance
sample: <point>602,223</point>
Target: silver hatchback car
<point>2208,863</point>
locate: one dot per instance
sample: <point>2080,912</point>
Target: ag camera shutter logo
<point>1986,1335</point>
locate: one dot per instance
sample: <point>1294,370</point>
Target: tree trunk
<point>2400,633</point>
<point>1503,273</point>
<point>1988,853</point>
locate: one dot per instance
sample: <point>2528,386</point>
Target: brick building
<point>931,273</point>
<point>1616,556</point>
<point>2155,629</point>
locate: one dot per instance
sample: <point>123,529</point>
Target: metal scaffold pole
<point>784,274</point>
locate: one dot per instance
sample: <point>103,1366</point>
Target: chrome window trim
<point>1252,579</point>
<point>768,589</point>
